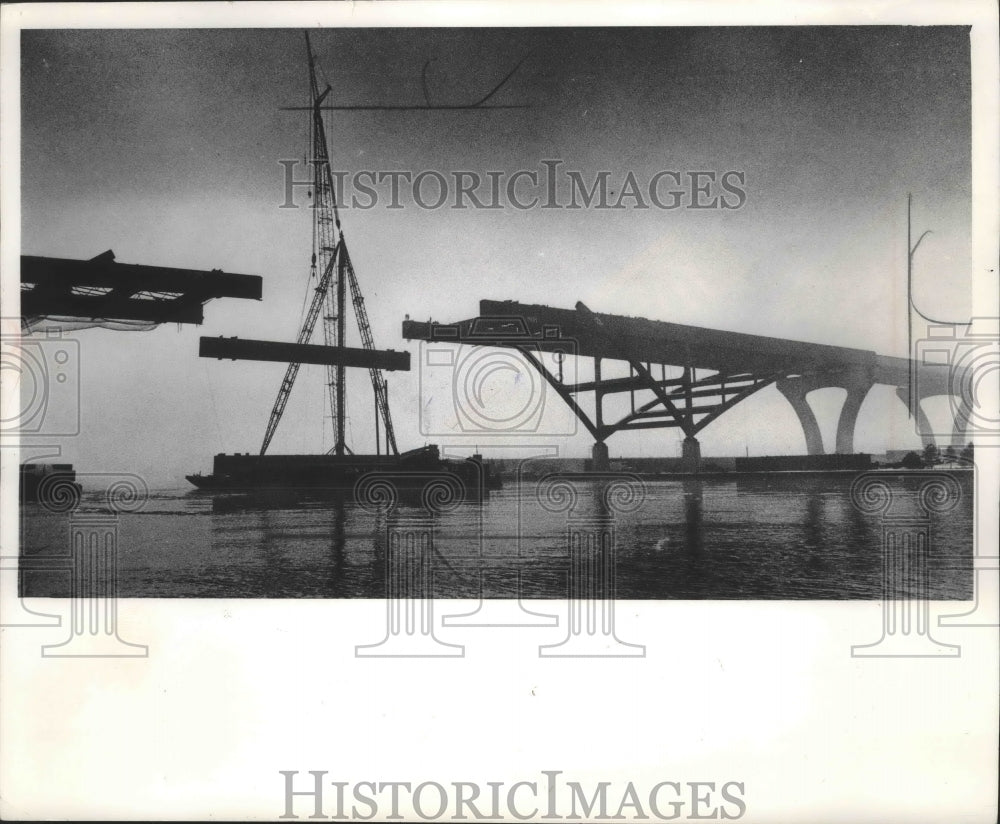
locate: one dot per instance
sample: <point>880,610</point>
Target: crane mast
<point>330,257</point>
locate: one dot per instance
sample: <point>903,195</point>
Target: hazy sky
<point>165,145</point>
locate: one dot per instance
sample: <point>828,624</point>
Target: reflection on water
<point>693,499</point>
<point>760,537</point>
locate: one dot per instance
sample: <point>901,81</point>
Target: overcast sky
<point>165,146</point>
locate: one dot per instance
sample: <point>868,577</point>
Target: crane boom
<point>364,327</point>
<point>305,333</point>
<point>326,230</point>
<point>329,296</point>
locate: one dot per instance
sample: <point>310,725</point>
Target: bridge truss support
<point>689,402</point>
<point>717,370</point>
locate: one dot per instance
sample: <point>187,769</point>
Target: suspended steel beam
<point>265,350</point>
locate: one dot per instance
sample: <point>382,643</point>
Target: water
<point>774,537</point>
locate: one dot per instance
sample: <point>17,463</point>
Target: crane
<point>330,256</point>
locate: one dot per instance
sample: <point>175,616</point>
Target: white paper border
<point>763,693</point>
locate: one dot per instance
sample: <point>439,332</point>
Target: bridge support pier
<point>599,455</point>
<point>960,426</point>
<point>857,391</point>
<point>923,424</point>
<point>795,391</point>
<point>691,455</point>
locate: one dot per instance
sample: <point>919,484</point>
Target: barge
<point>246,471</point>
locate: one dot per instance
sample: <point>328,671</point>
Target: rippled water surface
<point>778,536</point>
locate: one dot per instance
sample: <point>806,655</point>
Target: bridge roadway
<point>101,289</point>
<point>738,365</point>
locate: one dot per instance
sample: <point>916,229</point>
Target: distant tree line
<point>932,456</point>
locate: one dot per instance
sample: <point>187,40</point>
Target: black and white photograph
<point>462,410</point>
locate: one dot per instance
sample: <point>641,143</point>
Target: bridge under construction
<point>718,370</point>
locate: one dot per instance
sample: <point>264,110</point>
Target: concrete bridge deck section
<point>719,369</point>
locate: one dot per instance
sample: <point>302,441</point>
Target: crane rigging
<point>330,256</point>
<point>364,327</point>
<point>331,274</point>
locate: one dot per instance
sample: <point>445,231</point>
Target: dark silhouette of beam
<point>265,350</point>
<point>103,289</point>
<point>548,329</point>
